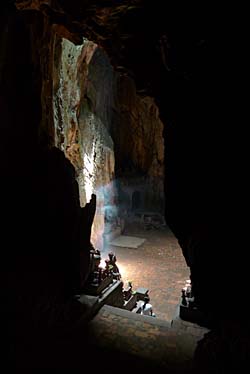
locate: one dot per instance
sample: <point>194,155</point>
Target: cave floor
<point>158,265</point>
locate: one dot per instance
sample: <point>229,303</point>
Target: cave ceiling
<point>156,45</point>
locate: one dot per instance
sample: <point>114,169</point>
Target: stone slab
<point>127,241</point>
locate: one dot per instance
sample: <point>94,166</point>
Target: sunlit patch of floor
<point>158,264</point>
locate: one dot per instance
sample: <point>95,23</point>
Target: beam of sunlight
<point>87,172</point>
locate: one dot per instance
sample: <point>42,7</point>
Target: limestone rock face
<point>93,103</point>
<point>139,128</point>
<point>139,145</point>
<point>84,82</point>
<point>82,116</point>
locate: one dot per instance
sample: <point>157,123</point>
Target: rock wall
<point>205,221</point>
<point>139,146</point>
<point>91,103</point>
<point>82,116</point>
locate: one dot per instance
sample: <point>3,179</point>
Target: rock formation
<point>174,58</point>
<point>92,102</point>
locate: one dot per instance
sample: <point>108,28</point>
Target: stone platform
<point>144,341</point>
<point>111,295</point>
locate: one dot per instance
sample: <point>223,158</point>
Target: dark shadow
<point>136,201</point>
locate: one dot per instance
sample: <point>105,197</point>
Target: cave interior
<point>135,103</point>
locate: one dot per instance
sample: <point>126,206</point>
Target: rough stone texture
<point>191,74</point>
<point>70,70</point>
<point>179,70</point>
<point>87,92</point>
<point>146,341</point>
<point>139,145</point>
<point>82,118</point>
<point>138,130</point>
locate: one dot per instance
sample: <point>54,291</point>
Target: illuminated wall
<point>81,115</point>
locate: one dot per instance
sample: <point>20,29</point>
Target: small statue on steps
<point>183,297</point>
<point>111,266</point>
<point>188,288</point>
<point>127,291</point>
<point>187,295</point>
<point>147,309</point>
<point>95,259</point>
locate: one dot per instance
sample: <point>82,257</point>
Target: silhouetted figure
<point>112,267</point>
